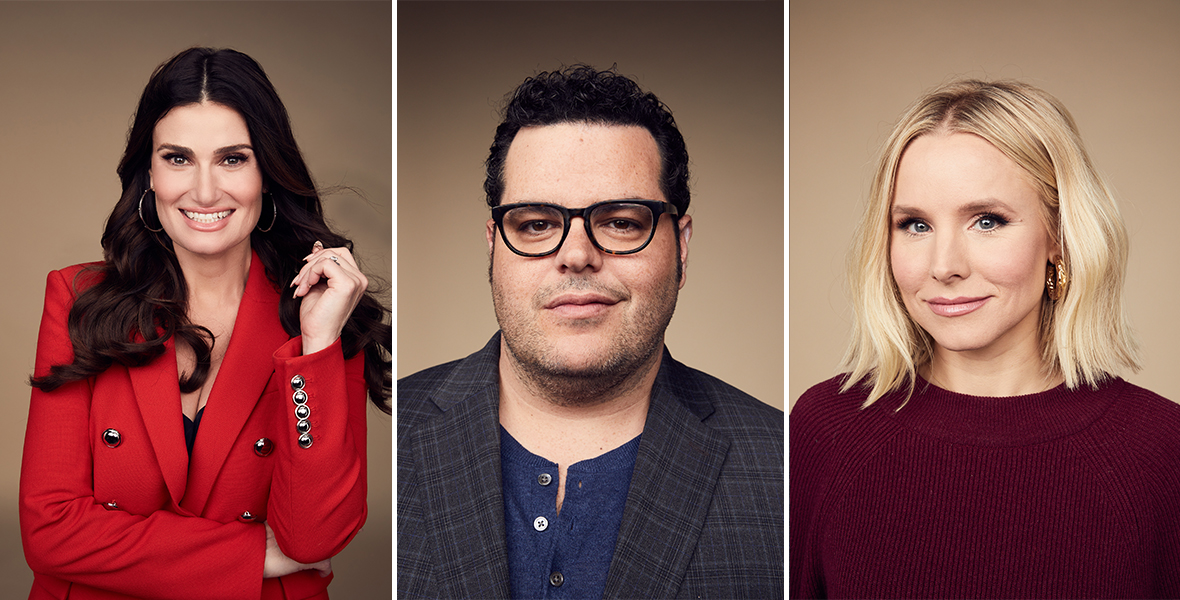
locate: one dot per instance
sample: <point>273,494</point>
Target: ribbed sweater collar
<point>1001,421</point>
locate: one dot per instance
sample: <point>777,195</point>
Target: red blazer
<point>132,516</point>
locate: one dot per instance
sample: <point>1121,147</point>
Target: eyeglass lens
<point>617,227</point>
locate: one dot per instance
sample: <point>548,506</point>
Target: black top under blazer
<point>704,514</point>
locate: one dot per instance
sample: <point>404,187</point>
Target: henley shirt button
<point>555,579</point>
<point>541,524</point>
<point>544,479</point>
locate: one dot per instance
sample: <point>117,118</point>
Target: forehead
<point>952,169</point>
<point>576,164</point>
<point>203,124</point>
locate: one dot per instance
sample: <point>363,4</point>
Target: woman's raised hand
<point>331,286</point>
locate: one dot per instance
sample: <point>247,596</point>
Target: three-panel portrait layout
<point>629,300</point>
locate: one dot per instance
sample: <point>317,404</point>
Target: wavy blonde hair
<point>1085,337</point>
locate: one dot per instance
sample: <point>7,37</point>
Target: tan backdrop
<point>70,77</point>
<point>718,66</point>
<point>856,65</point>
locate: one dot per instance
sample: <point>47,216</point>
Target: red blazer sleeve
<point>69,535</point>
<point>317,495</point>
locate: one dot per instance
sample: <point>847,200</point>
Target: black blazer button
<point>112,438</point>
<point>263,447</point>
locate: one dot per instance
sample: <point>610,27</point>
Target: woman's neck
<point>1014,373</point>
<point>218,279</point>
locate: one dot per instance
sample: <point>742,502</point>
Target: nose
<point>950,258</point>
<point>577,252</point>
<point>206,189</point>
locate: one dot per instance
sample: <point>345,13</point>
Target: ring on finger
<point>335,259</point>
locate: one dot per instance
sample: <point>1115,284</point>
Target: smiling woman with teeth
<point>981,443</point>
<point>197,424</point>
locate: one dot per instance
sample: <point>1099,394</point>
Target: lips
<point>580,305</point>
<point>956,307</point>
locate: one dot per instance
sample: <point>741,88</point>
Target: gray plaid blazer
<point>703,518</point>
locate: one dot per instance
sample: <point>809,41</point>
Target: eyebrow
<point>984,205</point>
<point>219,151</point>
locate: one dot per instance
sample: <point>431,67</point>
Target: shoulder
<point>431,391</point>
<point>1142,418</point>
<point>728,406</point>
<point>74,279</point>
<point>826,403</point>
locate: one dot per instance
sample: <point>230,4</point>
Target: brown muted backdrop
<point>70,77</point>
<point>718,66</point>
<point>856,65</point>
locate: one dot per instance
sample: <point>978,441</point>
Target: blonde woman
<point>980,443</point>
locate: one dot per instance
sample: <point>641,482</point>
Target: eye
<point>537,226</point>
<point>175,159</point>
<point>234,160</point>
<point>621,225</point>
<point>914,226</point>
<point>989,223</point>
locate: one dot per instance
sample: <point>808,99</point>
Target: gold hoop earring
<point>143,220</point>
<point>272,219</point>
<point>1056,280</point>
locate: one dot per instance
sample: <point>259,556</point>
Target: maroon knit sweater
<point>1062,494</point>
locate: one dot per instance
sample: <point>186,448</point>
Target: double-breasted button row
<point>302,411</point>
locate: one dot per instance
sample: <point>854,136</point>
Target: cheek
<point>908,268</point>
<point>1018,267</point>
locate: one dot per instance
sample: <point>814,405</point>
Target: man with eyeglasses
<point>572,457</point>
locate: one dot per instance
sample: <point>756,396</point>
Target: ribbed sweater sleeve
<point>1063,494</point>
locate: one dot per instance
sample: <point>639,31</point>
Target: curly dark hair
<point>581,93</point>
<point>140,289</point>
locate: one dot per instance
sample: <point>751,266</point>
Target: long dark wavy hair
<point>140,299</point>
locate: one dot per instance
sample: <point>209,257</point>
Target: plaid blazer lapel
<point>676,471</point>
<point>457,463</point>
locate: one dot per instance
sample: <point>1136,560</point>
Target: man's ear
<point>685,235</point>
<point>491,234</point>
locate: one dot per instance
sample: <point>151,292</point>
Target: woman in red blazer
<point>197,424</point>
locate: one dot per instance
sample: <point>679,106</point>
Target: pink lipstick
<point>956,307</point>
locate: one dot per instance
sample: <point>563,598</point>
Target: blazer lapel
<point>244,374</point>
<point>457,462</point>
<point>157,393</point>
<point>676,471</point>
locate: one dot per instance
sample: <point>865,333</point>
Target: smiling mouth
<point>956,307</point>
<point>207,217</point>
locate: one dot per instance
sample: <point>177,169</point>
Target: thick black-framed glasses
<point>615,226</point>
